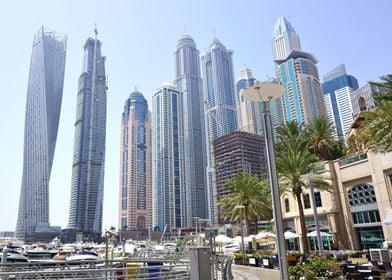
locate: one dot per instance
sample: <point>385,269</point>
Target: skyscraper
<point>170,207</point>
<point>297,71</point>
<point>250,119</point>
<point>85,214</point>
<point>250,112</point>
<point>135,164</point>
<point>43,105</point>
<point>188,82</point>
<point>284,39</point>
<point>337,88</point>
<point>221,112</point>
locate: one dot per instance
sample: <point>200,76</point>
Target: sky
<point>139,39</point>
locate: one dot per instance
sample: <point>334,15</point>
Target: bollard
<point>4,257</point>
<point>200,258</point>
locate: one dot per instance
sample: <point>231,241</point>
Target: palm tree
<point>246,190</point>
<point>378,124</point>
<point>386,84</point>
<point>294,160</point>
<point>319,133</point>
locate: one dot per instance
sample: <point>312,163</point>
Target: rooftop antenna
<point>185,30</point>
<point>214,34</point>
<point>136,88</point>
<point>95,30</point>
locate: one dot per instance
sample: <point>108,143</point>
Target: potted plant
<point>238,258</point>
<point>254,259</point>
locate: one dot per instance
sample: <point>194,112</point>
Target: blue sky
<point>139,39</point>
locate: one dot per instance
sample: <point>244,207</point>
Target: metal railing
<point>352,158</point>
<point>133,268</point>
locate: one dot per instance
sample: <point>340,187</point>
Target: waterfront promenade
<point>241,272</point>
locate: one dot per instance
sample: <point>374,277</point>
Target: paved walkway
<point>241,272</point>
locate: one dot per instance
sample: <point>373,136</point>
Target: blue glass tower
<point>85,213</point>
<point>337,87</point>
<point>221,111</point>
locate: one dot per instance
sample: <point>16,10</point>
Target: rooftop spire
<point>95,30</point>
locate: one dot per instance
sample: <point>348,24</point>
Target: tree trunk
<point>304,238</point>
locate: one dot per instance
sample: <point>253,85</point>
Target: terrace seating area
<point>371,270</point>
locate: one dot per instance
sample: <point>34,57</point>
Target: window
<point>287,205</point>
<point>366,217</point>
<point>306,200</point>
<point>317,197</point>
<point>361,194</point>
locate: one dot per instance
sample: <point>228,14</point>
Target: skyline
<point>150,64</point>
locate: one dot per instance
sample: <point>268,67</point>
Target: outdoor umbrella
<point>221,238</point>
<point>265,237</point>
<point>290,235</point>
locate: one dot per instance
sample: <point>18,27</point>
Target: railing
<point>352,158</point>
<point>133,268</point>
<point>318,168</point>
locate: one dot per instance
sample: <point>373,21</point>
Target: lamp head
<point>263,92</point>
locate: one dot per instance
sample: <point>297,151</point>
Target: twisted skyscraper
<point>43,105</point>
<point>88,166</point>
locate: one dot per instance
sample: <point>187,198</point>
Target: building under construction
<point>238,152</point>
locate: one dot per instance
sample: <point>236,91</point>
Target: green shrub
<point>318,266</point>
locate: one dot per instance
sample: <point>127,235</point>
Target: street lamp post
<point>316,222</point>
<point>197,233</point>
<point>265,92</point>
<point>242,207</point>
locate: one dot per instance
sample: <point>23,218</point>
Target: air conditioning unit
<point>380,255</point>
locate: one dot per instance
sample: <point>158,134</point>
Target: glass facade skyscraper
<point>188,82</point>
<point>250,119</point>
<point>89,147</point>
<point>43,105</point>
<point>284,39</point>
<point>250,112</point>
<point>135,211</point>
<point>297,72</point>
<point>221,107</point>
<point>337,88</point>
<point>169,191</point>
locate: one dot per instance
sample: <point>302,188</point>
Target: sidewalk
<point>241,272</point>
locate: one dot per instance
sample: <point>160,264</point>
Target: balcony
<point>352,158</point>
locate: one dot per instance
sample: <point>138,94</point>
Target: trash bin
<point>132,269</point>
<point>154,270</point>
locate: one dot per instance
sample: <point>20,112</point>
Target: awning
<point>388,218</point>
<point>314,234</point>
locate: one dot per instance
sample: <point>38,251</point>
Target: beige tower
<point>135,209</point>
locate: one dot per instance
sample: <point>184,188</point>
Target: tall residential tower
<point>188,82</point>
<point>135,165</point>
<point>297,72</point>
<point>337,88</point>
<point>170,208</point>
<point>221,108</point>
<point>43,104</point>
<point>85,214</point>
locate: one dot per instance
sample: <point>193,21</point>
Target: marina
<point>93,261</point>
